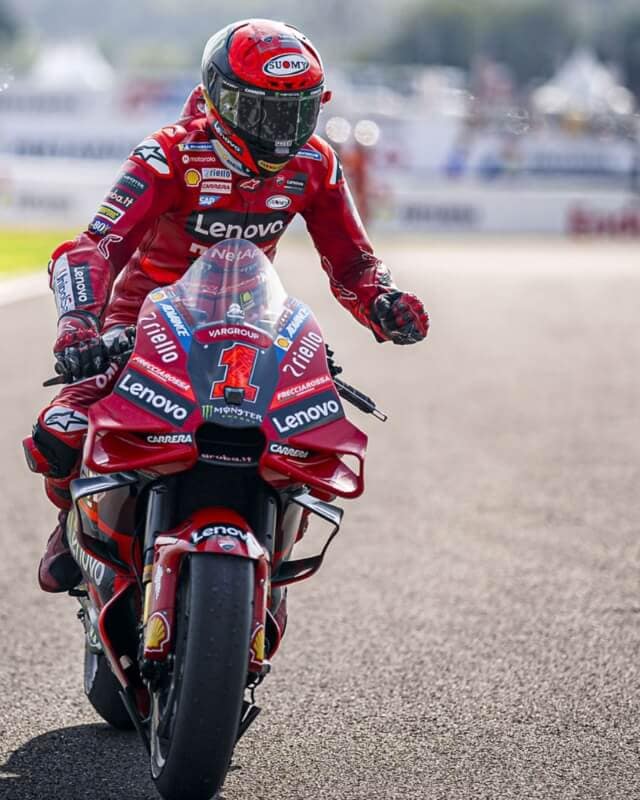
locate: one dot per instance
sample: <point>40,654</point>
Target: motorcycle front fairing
<point>225,346</point>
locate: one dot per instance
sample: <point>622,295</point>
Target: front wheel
<point>195,711</point>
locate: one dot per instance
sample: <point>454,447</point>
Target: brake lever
<point>349,393</point>
<point>359,400</point>
<point>119,358</point>
<point>55,381</point>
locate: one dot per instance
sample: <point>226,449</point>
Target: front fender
<point>216,530</point>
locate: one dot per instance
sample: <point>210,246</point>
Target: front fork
<point>88,615</point>
<point>158,520</point>
<point>163,551</point>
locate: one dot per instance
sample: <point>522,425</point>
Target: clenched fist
<point>401,316</point>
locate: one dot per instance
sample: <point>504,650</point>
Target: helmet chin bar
<point>219,133</point>
<point>230,161</point>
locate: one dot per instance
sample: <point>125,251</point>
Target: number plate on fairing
<point>234,372</point>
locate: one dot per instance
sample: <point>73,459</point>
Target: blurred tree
<point>530,37</point>
<point>444,32</point>
<point>619,42</point>
<point>8,24</point>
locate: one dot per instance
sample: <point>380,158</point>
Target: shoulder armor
<point>317,149</point>
<point>154,152</point>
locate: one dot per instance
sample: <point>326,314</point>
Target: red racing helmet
<point>263,83</point>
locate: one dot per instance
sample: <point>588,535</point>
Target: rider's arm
<point>82,271</point>
<point>356,276</point>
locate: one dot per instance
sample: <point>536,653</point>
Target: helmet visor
<point>280,122</point>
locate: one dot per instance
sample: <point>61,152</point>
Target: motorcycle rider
<point>241,162</point>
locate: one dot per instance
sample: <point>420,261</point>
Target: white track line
<point>24,288</point>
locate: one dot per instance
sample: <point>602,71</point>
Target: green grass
<point>24,251</point>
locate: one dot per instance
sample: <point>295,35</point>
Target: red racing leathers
<point>179,192</point>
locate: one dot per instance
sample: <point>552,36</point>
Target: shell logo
<point>286,65</point>
<point>157,633</point>
<point>282,342</point>
<point>192,177</point>
<point>258,643</point>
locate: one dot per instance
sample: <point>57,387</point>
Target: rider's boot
<point>58,571</point>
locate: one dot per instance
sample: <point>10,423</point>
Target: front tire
<point>195,712</point>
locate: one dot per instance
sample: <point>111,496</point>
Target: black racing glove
<point>78,349</point>
<point>401,317</point>
<point>81,352</point>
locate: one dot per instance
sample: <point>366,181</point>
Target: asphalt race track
<point>475,632</point>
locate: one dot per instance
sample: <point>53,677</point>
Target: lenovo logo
<point>81,284</point>
<point>219,530</point>
<point>157,400</point>
<point>308,416</point>
<point>91,567</point>
<point>214,226</point>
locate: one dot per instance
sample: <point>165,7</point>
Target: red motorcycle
<point>223,435</point>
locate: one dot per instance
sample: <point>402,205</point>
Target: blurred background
<point>455,117</point>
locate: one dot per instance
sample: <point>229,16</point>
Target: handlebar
<point>350,393</point>
<point>116,350</point>
<point>119,349</point>
<point>359,400</point>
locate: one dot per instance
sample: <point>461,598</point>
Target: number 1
<point>240,361</point>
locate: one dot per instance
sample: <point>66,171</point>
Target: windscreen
<point>232,283</point>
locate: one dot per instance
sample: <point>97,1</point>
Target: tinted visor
<point>279,122</point>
